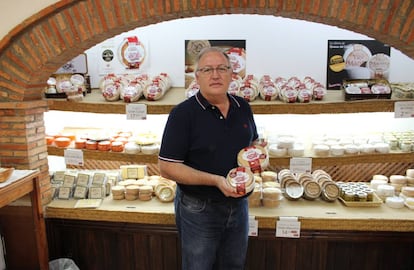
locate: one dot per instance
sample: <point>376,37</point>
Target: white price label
<point>300,165</point>
<point>253,226</point>
<point>404,109</point>
<point>136,111</point>
<point>73,157</point>
<point>288,227</point>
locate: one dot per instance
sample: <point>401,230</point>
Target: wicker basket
<point>5,174</point>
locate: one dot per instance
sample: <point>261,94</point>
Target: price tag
<point>300,165</point>
<point>136,111</point>
<point>288,227</point>
<point>73,157</point>
<point>404,109</point>
<point>253,226</point>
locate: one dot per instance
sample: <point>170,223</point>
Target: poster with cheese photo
<point>356,59</point>
<point>236,50</point>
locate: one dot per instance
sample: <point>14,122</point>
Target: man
<point>201,140</point>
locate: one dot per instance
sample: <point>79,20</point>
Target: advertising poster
<point>76,65</point>
<point>236,49</point>
<point>356,59</point>
<point>122,55</point>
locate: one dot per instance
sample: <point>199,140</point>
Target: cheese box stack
<point>254,157</point>
<point>242,179</point>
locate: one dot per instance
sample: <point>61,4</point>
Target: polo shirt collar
<point>203,102</point>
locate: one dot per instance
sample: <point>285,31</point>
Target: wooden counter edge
<point>111,216</point>
<point>264,222</point>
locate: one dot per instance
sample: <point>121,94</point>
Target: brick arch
<point>41,44</point>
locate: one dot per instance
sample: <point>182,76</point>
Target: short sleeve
<point>175,138</point>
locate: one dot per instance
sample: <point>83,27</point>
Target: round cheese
<point>293,190</point>
<point>242,179</point>
<point>254,157</point>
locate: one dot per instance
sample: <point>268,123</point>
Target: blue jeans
<point>214,235</point>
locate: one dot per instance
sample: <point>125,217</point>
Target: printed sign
<point>356,59</point>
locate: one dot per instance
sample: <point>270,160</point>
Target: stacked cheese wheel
<point>130,88</point>
<point>249,89</point>
<point>241,178</point>
<point>254,157</point>
<point>157,88</point>
<point>267,88</point>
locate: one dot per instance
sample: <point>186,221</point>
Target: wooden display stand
<point>21,183</point>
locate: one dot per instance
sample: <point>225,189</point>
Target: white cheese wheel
<point>337,150</point>
<point>382,148</point>
<point>394,202</point>
<point>398,179</point>
<point>298,150</point>
<point>255,195</point>
<point>367,148</point>
<point>149,149</point>
<point>132,148</point>
<point>385,191</point>
<point>410,173</point>
<point>321,150</point>
<point>272,193</point>
<point>286,142</point>
<point>380,177</point>
<point>269,176</point>
<point>271,184</point>
<point>275,151</point>
<point>351,149</point>
<point>408,191</point>
<point>377,182</point>
<point>409,202</point>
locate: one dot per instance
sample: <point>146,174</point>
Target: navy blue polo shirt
<point>198,135</point>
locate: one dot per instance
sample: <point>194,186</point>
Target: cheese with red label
<point>254,157</point>
<point>242,179</point>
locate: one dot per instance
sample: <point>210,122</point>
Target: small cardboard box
<point>366,89</point>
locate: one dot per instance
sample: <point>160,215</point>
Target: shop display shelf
<point>273,161</point>
<point>333,102</point>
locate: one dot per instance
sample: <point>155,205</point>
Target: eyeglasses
<point>207,71</point>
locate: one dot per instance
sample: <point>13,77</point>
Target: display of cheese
<point>157,87</point>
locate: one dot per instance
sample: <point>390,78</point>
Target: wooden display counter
<point>313,215</point>
<point>21,183</point>
<point>142,235</point>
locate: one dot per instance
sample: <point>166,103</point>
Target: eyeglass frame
<point>208,71</point>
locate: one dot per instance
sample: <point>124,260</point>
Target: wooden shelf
<point>333,103</point>
<point>275,161</point>
<point>346,160</point>
<point>102,155</point>
<point>21,183</point>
